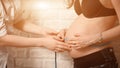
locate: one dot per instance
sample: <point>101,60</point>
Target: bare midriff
<point>89,26</point>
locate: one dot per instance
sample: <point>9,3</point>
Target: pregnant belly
<point>85,26</point>
<point>83,30</point>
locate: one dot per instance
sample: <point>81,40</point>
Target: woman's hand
<point>55,45</point>
<point>61,35</point>
<point>79,42</point>
<point>48,32</point>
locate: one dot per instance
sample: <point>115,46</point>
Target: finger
<point>72,42</point>
<point>74,39</point>
<point>57,38</point>
<point>61,36</point>
<point>74,46</point>
<point>53,33</point>
<point>77,48</point>
<point>77,35</point>
<point>83,46</point>
<point>58,50</point>
<point>65,48</point>
<point>64,44</point>
<point>79,45</point>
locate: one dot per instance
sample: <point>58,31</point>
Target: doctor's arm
<point>30,27</point>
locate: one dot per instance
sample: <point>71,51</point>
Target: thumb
<point>77,35</point>
<point>57,38</point>
<point>52,33</point>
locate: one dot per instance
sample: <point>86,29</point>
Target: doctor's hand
<point>61,35</point>
<point>55,45</point>
<point>49,32</point>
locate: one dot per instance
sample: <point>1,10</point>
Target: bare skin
<point>90,26</point>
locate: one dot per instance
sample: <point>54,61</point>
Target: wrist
<point>100,38</point>
<point>39,42</point>
<point>97,39</point>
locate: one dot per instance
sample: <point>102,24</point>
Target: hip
<point>102,59</point>
<point>89,50</point>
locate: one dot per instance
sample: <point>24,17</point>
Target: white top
<point>2,24</point>
<point>3,54</point>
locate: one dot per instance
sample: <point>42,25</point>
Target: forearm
<point>105,36</point>
<point>29,27</point>
<point>111,34</point>
<point>35,29</point>
<point>116,5</point>
<point>18,41</point>
<point>114,32</point>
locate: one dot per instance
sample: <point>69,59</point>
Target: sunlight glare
<point>41,5</point>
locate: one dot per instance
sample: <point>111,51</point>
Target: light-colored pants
<point>3,59</point>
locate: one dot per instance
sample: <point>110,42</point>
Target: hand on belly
<point>83,45</point>
<point>74,53</point>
